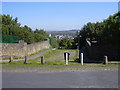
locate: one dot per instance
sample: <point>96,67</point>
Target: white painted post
<point>81,58</point>
<point>66,58</point>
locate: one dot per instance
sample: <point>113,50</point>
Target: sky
<point>57,16</point>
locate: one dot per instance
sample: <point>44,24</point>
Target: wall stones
<point>22,49</point>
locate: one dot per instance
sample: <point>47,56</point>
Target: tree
<point>53,42</point>
<point>11,26</point>
<point>40,35</point>
<point>105,32</point>
<point>66,43</point>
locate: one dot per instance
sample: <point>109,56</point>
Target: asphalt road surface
<point>91,79</point>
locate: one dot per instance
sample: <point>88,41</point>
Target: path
<point>60,55</point>
<point>101,79</point>
<point>29,57</point>
<point>57,56</point>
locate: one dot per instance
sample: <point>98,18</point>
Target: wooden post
<point>81,58</point>
<point>105,60</point>
<point>25,62</point>
<point>42,60</point>
<point>11,58</point>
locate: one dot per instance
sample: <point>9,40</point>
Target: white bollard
<point>66,61</point>
<point>81,58</point>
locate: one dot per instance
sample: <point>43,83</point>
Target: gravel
<point>58,68</point>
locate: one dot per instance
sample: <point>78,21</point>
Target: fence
<point>8,38</point>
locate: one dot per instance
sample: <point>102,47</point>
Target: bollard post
<point>25,62</point>
<point>11,58</point>
<point>66,57</point>
<point>66,61</point>
<point>105,60</point>
<point>81,58</point>
<point>42,60</point>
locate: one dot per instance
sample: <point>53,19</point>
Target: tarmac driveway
<point>91,79</point>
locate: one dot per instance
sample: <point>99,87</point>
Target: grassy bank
<point>48,55</point>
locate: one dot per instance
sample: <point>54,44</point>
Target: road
<point>96,79</point>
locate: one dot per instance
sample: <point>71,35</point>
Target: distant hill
<point>70,32</point>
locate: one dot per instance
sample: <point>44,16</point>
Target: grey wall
<point>21,49</point>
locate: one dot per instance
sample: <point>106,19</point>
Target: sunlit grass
<point>47,55</point>
<point>37,61</point>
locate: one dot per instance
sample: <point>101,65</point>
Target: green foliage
<point>53,42</point>
<point>66,43</point>
<point>106,32</point>
<point>40,35</point>
<point>11,26</point>
<point>9,39</point>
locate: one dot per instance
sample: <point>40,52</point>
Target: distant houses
<point>70,34</point>
<point>61,36</point>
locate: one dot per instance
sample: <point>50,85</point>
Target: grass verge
<point>49,54</point>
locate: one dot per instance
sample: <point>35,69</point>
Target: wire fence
<point>8,38</point>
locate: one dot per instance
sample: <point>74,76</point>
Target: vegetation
<point>105,32</point>
<point>11,26</point>
<point>48,55</point>
<point>66,43</point>
<point>53,42</point>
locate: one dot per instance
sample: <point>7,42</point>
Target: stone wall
<point>33,48</point>
<point>21,49</point>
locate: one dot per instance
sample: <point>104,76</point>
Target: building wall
<point>21,49</point>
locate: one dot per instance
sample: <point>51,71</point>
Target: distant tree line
<point>11,26</point>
